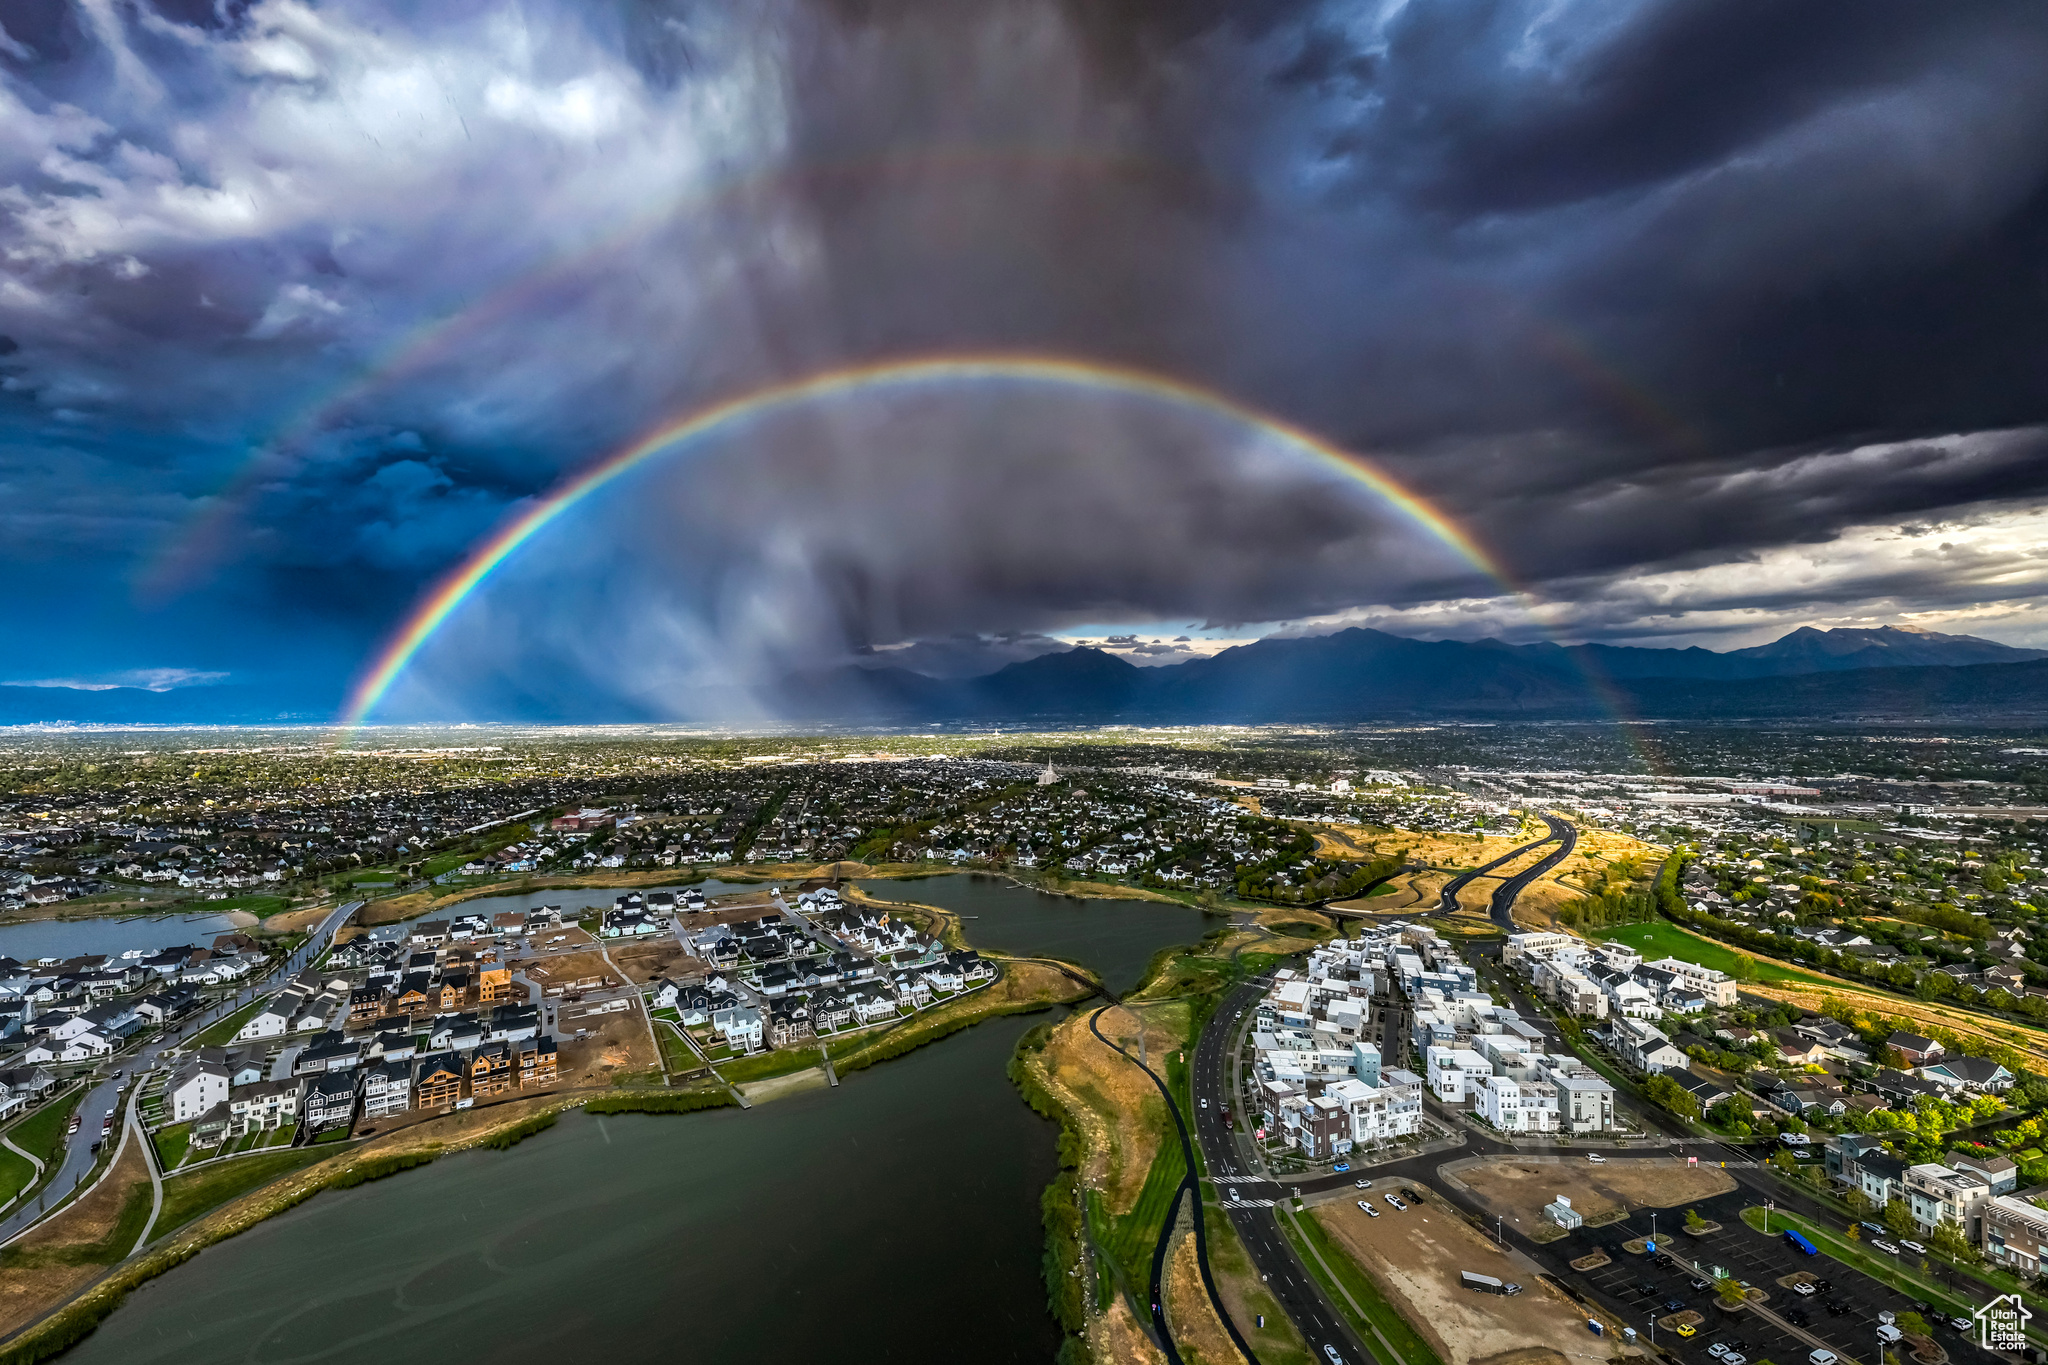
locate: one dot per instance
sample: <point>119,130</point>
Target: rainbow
<point>449,594</point>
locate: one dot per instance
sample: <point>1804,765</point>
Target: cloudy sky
<point>1703,320</point>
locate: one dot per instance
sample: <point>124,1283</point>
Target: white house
<point>1518,1107</point>
<point>273,1020</point>
<point>195,1088</point>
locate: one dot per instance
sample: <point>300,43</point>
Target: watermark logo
<point>2002,1324</point>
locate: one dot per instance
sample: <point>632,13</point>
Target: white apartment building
<point>1940,1194</point>
<point>1718,988</point>
<point>1456,1072</point>
<point>1518,1107</point>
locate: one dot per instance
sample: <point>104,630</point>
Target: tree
<point>1948,1240</point>
<point>1912,1324</point>
<point>1898,1217</point>
<point>1743,968</point>
<point>1672,1096</point>
<point>1859,1205</point>
<point>1693,1221</point>
<point>1730,1291</point>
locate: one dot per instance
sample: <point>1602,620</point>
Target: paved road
<point>1249,1199</point>
<point>1567,833</point>
<point>1191,1188</point>
<point>1447,901</point>
<point>104,1097</point>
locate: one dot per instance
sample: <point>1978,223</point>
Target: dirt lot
<point>570,972</point>
<point>617,1043</point>
<point>1415,1258</point>
<point>642,962</point>
<point>1519,1188</point>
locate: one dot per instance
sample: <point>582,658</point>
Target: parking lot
<point>1844,1315</point>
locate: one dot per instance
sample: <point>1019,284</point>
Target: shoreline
<point>74,1318</point>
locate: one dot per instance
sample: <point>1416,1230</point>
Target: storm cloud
<point>1707,319</point>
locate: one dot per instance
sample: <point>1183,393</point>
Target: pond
<point>1114,937</point>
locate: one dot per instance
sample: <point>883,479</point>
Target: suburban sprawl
<point>1705,1045</point>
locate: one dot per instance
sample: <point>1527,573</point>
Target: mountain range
<point>1361,674</point>
<point>1352,675</point>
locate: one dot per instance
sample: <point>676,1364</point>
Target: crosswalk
<point>1248,1203</point>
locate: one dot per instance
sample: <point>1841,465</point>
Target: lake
<point>892,1219</point>
<point>1115,937</point>
<point>62,938</point>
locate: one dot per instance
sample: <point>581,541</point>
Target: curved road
<point>1503,911</point>
<point>1190,1188</point>
<point>103,1099</point>
<point>1447,901</point>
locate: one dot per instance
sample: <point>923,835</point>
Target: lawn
<point>42,1133</point>
<point>1131,1238</point>
<point>172,1143</point>
<point>1354,1292</point>
<point>223,1033</point>
<point>188,1196</point>
<point>675,1053</point>
<point>1659,940</point>
<point>15,1174</point>
<point>262,907</point>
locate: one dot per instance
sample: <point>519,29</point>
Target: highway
<point>104,1097</point>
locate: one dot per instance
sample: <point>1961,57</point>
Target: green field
<point>1659,940</point>
<point>188,1196</point>
<point>42,1133</point>
<point>15,1174</point>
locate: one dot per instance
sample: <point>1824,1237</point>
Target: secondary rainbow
<point>449,594</point>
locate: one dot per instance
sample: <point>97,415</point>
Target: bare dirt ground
<point>570,972</point>
<point>1116,1339</point>
<point>1519,1188</point>
<point>618,1043</point>
<point>663,956</point>
<point>1415,1258</point>
<point>1196,1330</point>
<point>57,1259</point>
<point>1118,1110</point>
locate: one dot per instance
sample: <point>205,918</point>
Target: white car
<point>1735,1358</point>
<point>1205,1103</point>
<point>1803,1290</point>
<point>1330,1353</point>
<point>1718,1349</point>
<point>1821,1357</point>
<point>1596,1159</point>
<point>1362,1184</point>
<point>1394,1202</point>
<point>1370,1211</point>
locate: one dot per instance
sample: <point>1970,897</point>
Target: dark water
<point>1115,937</point>
<point>58,938</point>
<point>893,1219</point>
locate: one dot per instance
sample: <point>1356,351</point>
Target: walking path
<point>156,1175</point>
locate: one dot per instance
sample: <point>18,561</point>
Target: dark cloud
<point>301,302</point>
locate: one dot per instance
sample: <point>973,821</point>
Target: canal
<point>894,1218</point>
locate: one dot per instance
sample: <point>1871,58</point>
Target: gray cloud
<point>304,301</point>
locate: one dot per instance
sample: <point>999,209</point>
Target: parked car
<point>1803,1290</point>
<point>1394,1202</point>
<point>1913,1247</point>
<point>1362,1184</point>
<point>1735,1358</point>
<point>1596,1159</point>
<point>1370,1211</point>
<point>1823,1356</point>
<point>1341,1167</point>
<point>1718,1349</point>
<point>1700,1284</point>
